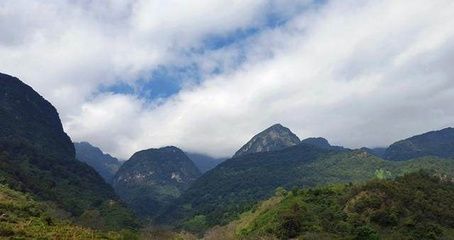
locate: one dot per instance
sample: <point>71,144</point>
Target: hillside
<point>436,143</point>
<point>104,164</point>
<point>22,217</point>
<point>415,206</point>
<point>153,178</point>
<point>238,183</point>
<point>37,157</point>
<point>234,185</point>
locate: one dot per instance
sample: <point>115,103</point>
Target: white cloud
<point>359,74</point>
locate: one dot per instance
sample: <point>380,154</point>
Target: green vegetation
<point>22,217</point>
<point>151,179</point>
<point>415,206</point>
<point>436,143</point>
<point>74,188</point>
<point>37,157</point>
<point>233,187</point>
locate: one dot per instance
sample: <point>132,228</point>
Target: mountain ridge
<point>439,143</point>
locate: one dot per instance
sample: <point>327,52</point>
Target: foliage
<point>196,224</point>
<point>382,174</point>
<point>415,206</point>
<point>22,217</point>
<point>237,184</point>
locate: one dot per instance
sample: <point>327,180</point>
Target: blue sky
<point>167,80</point>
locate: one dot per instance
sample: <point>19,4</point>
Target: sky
<point>127,75</point>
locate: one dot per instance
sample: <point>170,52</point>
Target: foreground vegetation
<point>415,206</point>
<point>22,217</point>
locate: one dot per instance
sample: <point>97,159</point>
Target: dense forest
<point>414,206</point>
<point>220,195</point>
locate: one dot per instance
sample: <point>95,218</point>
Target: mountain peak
<point>153,178</point>
<point>274,138</point>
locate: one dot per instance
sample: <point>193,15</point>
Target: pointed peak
<point>277,125</point>
<point>274,138</point>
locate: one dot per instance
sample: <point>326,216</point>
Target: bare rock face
<point>274,138</point>
<point>151,179</point>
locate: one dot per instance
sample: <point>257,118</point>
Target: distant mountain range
<point>204,162</point>
<point>258,170</point>
<point>104,164</point>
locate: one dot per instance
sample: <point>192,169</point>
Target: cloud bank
<point>360,74</point>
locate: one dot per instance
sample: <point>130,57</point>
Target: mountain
<point>235,185</point>
<point>321,143</point>
<point>104,164</point>
<point>317,141</point>
<point>37,157</point>
<point>378,151</point>
<point>152,178</point>
<point>274,138</point>
<point>378,209</point>
<point>436,143</point>
<point>204,162</point>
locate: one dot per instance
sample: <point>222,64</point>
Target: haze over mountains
<point>103,163</point>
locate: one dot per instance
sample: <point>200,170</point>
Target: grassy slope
<point>22,217</point>
<point>416,206</point>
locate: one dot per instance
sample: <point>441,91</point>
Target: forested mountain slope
<point>238,183</point>
<point>436,143</point>
<point>415,206</point>
<point>153,178</point>
<point>36,156</point>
